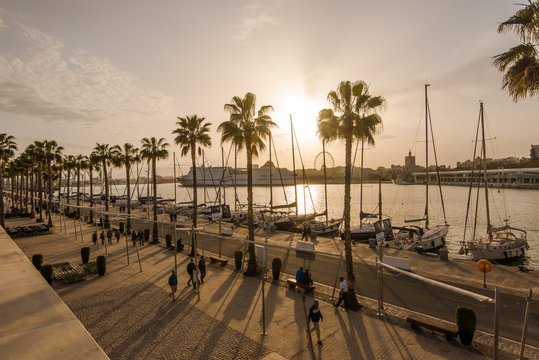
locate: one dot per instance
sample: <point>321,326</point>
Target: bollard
<point>443,254</point>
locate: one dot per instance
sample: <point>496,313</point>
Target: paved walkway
<point>131,316</point>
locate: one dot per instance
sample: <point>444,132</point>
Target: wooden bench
<point>214,260</point>
<point>292,283</point>
<point>448,331</point>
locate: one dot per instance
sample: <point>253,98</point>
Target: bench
<point>292,283</point>
<point>448,331</point>
<point>214,260</point>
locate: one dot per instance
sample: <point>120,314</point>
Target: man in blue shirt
<point>299,275</point>
<point>315,315</point>
<point>173,283</point>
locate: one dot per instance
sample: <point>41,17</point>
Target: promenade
<point>131,316</point>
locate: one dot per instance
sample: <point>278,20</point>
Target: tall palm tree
<point>521,63</point>
<point>93,164</point>
<point>69,165</point>
<point>39,155</point>
<point>247,128</point>
<point>153,150</point>
<point>353,115</point>
<point>31,150</point>
<point>127,155</point>
<point>8,146</point>
<point>52,152</point>
<point>105,153</point>
<point>81,163</point>
<point>27,162</point>
<point>190,133</point>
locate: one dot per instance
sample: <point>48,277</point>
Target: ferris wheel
<point>319,160</point>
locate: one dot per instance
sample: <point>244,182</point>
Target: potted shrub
<point>276,265</point>
<point>466,322</point>
<point>37,260</point>
<point>122,227</point>
<point>146,235</point>
<point>47,273</point>
<point>101,265</point>
<point>238,256</point>
<point>85,254</point>
<point>168,239</point>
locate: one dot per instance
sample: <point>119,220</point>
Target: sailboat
<point>502,243</point>
<point>424,238</point>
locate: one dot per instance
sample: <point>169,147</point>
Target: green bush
<point>168,239</point>
<point>47,272</point>
<point>466,321</point>
<point>91,267</point>
<point>238,256</point>
<point>276,266</point>
<point>122,227</point>
<point>85,254</point>
<point>37,260</point>
<point>101,265</point>
<point>146,234</point>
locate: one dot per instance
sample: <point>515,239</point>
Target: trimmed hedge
<point>238,257</point>
<point>47,272</point>
<point>466,321</point>
<point>276,266</point>
<point>37,260</point>
<point>101,265</point>
<point>85,254</point>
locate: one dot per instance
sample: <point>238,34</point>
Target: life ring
<point>409,241</point>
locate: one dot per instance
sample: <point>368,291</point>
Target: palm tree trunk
<point>40,190</point>
<point>68,183</point>
<point>351,279</point>
<point>2,194</point>
<point>78,191</point>
<point>252,268</point>
<point>91,194</point>
<point>32,194</point>
<point>127,171</point>
<point>105,176</point>
<point>154,179</point>
<point>26,192</point>
<point>195,198</point>
<point>49,171</point>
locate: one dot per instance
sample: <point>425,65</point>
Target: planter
<point>466,322</point>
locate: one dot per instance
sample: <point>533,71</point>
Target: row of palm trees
<point>353,115</point>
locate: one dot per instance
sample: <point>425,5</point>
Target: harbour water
<point>399,202</point>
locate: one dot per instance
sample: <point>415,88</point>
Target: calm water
<point>400,202</point>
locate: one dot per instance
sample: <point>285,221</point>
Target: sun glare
<point>304,111</point>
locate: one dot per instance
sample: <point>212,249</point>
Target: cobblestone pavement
<point>131,316</point>
<point>138,321</point>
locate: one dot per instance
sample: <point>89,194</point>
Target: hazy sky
<point>116,71</point>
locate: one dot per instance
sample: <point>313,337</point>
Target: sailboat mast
<point>235,177</point>
<point>223,179</point>
<point>294,164</point>
<point>426,158</point>
<point>485,167</point>
<point>380,198</point>
<point>325,179</point>
<point>203,177</point>
<point>270,179</point>
<point>174,160</point>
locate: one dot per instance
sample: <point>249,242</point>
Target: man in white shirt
<point>343,293</point>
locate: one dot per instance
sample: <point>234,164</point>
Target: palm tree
<point>52,152</point>
<point>8,146</point>
<point>27,162</point>
<point>192,132</point>
<point>81,163</point>
<point>105,153</point>
<point>69,165</point>
<point>521,63</point>
<point>353,115</point>
<point>247,128</point>
<point>93,164</point>
<point>153,150</point>
<point>31,151</point>
<point>127,155</point>
<point>39,156</point>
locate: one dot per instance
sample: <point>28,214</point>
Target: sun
<point>304,111</point>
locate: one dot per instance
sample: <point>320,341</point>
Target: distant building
<point>409,163</point>
<point>534,152</point>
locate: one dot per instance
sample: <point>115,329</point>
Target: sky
<point>82,72</point>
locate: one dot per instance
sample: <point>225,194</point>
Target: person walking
<point>109,236</point>
<point>190,271</point>
<point>173,283</point>
<point>202,268</point>
<point>102,237</point>
<point>306,279</point>
<point>134,238</point>
<point>343,293</point>
<point>94,237</point>
<point>141,237</point>
<point>315,315</point>
<point>299,275</point>
<point>196,278</point>
<point>117,235</point>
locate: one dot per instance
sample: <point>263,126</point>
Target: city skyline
<point>82,73</point>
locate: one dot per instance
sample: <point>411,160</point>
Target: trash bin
<point>372,243</point>
<point>443,254</point>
